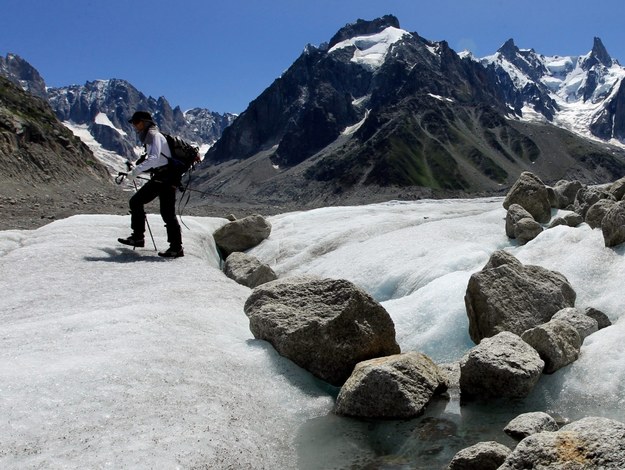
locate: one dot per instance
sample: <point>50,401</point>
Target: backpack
<point>183,155</point>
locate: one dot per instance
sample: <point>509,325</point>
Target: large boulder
<point>526,230</point>
<point>603,321</point>
<point>617,189</point>
<point>573,219</point>
<point>530,193</point>
<point>521,225</point>
<point>392,387</point>
<point>588,196</point>
<point>613,225</point>
<point>242,234</point>
<point>557,342</point>
<point>596,212</point>
<point>247,270</point>
<point>509,296</point>
<point>514,214</point>
<point>575,317</point>
<point>527,424</point>
<point>564,193</point>
<point>483,456</point>
<point>326,326</point>
<point>590,443</point>
<point>501,366</point>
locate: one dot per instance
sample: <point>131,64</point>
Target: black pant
<point>167,197</point>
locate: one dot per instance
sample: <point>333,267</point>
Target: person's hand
<point>131,175</point>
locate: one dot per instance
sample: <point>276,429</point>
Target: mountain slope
<point>44,169</point>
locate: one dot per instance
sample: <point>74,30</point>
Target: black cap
<point>140,116</point>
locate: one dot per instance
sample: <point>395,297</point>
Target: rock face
<point>242,234</point>
<point>36,149</point>
<point>509,296</point>
<point>247,270</point>
<point>325,326</point>
<point>590,443</point>
<point>530,423</point>
<point>392,387</point>
<point>531,194</point>
<point>481,456</point>
<point>24,75</point>
<point>501,366</point>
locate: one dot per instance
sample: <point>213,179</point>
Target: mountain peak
<point>600,52</point>
<point>509,49</point>
<point>363,28</point>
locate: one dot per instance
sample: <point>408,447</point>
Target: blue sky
<point>222,55</point>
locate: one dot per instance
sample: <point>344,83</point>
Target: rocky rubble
<point>529,203</point>
<point>556,336</point>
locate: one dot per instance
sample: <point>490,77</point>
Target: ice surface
<point>118,358</point>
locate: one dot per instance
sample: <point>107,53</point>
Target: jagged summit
<point>23,74</point>
<point>598,55</point>
<point>508,49</point>
<point>364,28</point>
<point>525,60</point>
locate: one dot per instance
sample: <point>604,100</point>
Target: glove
<point>131,175</point>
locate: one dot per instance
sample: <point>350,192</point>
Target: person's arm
<point>154,157</point>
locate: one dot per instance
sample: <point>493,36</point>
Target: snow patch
<point>351,129</point>
<point>371,50</point>
<point>104,120</point>
<point>112,160</point>
<point>441,98</point>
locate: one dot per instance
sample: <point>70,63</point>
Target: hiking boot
<point>172,253</point>
<point>132,241</point>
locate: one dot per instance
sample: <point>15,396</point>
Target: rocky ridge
<point>419,119</point>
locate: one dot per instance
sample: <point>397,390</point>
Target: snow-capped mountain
<point>379,109</point>
<point>584,94</point>
<point>378,112</point>
<point>105,106</point>
<point>98,113</point>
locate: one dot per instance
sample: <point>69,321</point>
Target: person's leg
<point>167,198</point>
<point>148,192</point>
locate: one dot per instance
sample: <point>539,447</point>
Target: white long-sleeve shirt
<point>157,149</point>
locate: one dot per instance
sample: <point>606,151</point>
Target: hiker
<point>163,183</point>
